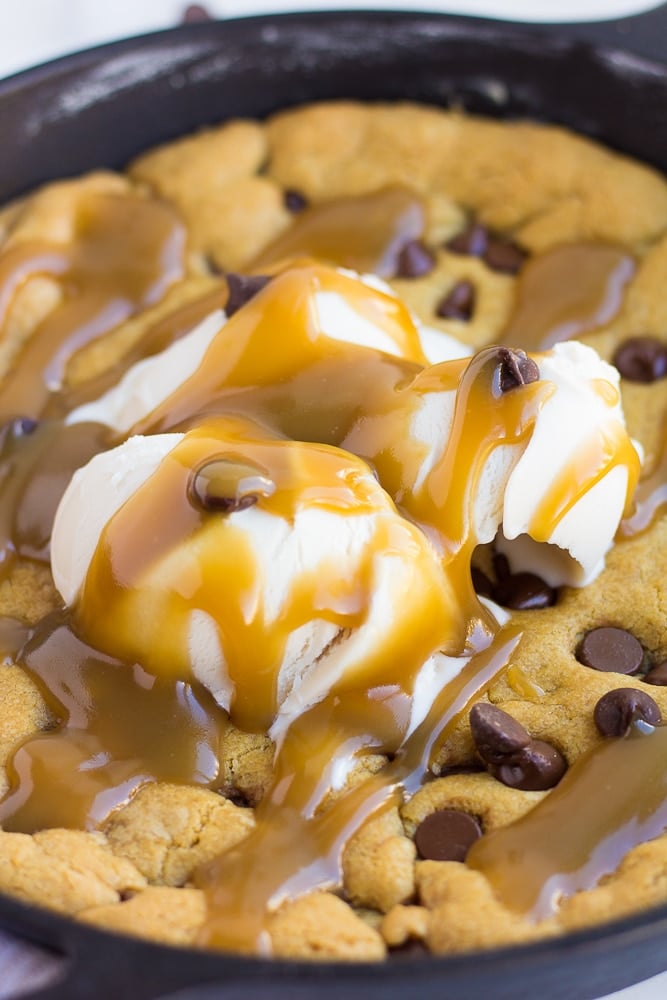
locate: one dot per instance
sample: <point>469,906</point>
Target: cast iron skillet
<point>104,106</point>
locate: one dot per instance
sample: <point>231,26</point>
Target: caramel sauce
<point>365,233</point>
<point>302,384</point>
<point>126,251</point>
<point>650,495</point>
<point>567,291</point>
<point>118,728</point>
<point>35,470</point>
<point>598,457</point>
<point>611,799</point>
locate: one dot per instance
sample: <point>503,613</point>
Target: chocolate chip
<point>295,201</point>
<point>610,649</point>
<point>480,581</point>
<point>534,769</point>
<point>242,288</point>
<point>495,733</point>
<point>194,13</point>
<point>617,710</point>
<point>515,369</point>
<point>447,835</point>
<point>501,566</point>
<point>227,486</point>
<point>22,426</point>
<point>504,256</point>
<point>472,241</point>
<point>414,260</point>
<point>642,359</point>
<point>524,592</point>
<point>459,303</point>
<point>657,675</point>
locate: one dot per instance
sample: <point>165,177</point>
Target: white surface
<point>36,30</point>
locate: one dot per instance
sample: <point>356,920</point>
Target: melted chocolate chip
<point>616,711</point>
<point>459,303</point>
<point>472,241</point>
<point>225,486</point>
<point>242,288</point>
<point>482,584</point>
<point>504,256</point>
<point>415,260</point>
<point>295,202</point>
<point>194,13</point>
<point>515,369</point>
<point>20,427</point>
<point>447,835</point>
<point>495,733</point>
<point>610,649</point>
<point>524,592</point>
<point>501,566</point>
<point>642,359</point>
<point>657,675</point>
<point>537,767</point>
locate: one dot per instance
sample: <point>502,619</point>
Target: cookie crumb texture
<point>533,186</point>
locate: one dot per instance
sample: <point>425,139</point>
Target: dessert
<point>320,533</point>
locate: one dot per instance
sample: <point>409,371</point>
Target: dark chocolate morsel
<point>195,13</point>
<point>611,649</point>
<point>242,288</point>
<point>480,581</point>
<point>535,768</point>
<point>501,566</point>
<point>641,359</point>
<point>227,486</point>
<point>472,241</point>
<point>295,201</point>
<point>515,369</point>
<point>504,256</point>
<point>496,734</point>
<point>657,675</point>
<point>459,302</point>
<point>524,592</point>
<point>617,710</point>
<point>414,260</point>
<point>447,835</point>
<point>22,426</point>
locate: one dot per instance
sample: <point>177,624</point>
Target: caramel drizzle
<point>272,353</point>
<point>612,798</point>
<point>297,846</point>
<point>365,233</point>
<point>119,728</point>
<point>567,291</point>
<point>127,250</point>
<point>650,496</point>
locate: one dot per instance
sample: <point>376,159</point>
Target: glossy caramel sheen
<point>611,799</point>
<point>282,413</point>
<point>365,233</point>
<point>566,292</point>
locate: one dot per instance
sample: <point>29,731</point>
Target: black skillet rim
<point>629,940</point>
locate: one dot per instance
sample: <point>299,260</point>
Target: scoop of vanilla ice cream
<point>319,548</point>
<point>579,416</point>
<point>150,382</point>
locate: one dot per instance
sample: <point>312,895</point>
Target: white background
<point>36,30</point>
